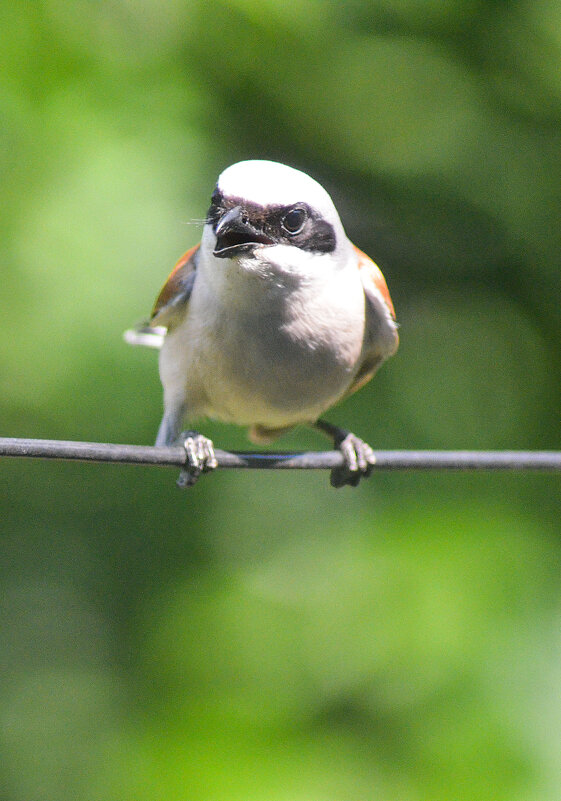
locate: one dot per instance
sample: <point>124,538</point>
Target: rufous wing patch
<point>375,275</point>
<point>174,286</point>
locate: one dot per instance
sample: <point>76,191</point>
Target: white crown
<point>268,183</point>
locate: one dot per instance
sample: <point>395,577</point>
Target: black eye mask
<point>297,225</point>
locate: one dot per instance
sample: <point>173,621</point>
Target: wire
<point>309,460</point>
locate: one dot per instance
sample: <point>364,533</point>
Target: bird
<point>271,320</point>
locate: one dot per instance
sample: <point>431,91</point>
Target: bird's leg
<point>199,450</point>
<point>358,456</point>
<point>170,427</point>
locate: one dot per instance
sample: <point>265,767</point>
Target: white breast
<point>260,348</point>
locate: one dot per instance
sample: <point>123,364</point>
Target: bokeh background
<point>264,637</point>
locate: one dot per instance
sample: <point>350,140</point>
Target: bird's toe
<point>200,458</point>
<point>358,462</point>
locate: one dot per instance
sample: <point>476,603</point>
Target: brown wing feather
<point>176,291</point>
<point>385,340</point>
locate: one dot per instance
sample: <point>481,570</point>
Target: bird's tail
<point>146,335</point>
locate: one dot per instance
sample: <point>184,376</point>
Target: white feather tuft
<point>146,336</point>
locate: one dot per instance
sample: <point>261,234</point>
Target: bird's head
<point>266,213</point>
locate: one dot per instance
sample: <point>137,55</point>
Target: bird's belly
<point>265,355</point>
<point>261,371</point>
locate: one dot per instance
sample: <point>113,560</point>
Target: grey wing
<point>381,337</point>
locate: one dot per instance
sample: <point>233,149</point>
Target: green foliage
<point>263,636</point>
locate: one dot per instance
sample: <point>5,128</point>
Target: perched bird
<point>271,320</point>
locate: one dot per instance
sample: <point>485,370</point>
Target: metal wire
<point>309,460</point>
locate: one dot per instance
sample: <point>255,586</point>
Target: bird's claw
<point>200,458</point>
<point>359,461</point>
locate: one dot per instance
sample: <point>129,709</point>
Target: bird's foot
<point>358,457</point>
<point>359,460</point>
<point>199,451</point>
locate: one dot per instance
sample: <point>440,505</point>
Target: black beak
<point>236,234</point>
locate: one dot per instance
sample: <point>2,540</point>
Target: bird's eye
<point>216,208</point>
<point>293,221</point>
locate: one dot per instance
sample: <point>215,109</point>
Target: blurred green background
<point>264,637</point>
